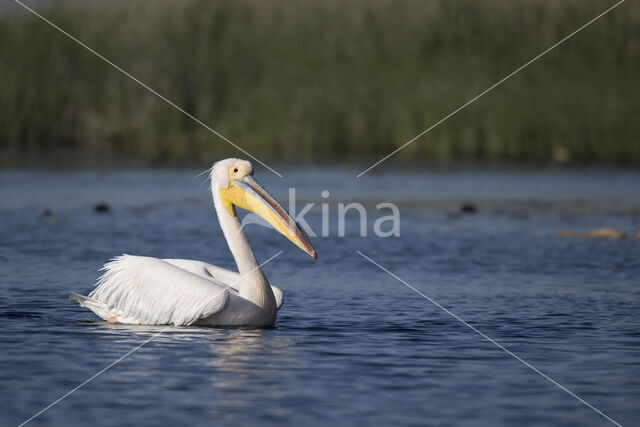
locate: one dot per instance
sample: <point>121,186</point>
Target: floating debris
<point>101,208</point>
<point>468,208</point>
<point>600,233</point>
<point>561,155</point>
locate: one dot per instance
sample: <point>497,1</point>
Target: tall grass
<point>323,79</point>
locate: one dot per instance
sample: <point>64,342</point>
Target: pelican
<point>152,291</point>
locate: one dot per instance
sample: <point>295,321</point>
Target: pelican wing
<point>151,291</point>
<point>230,278</point>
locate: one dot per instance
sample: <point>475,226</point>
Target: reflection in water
<point>242,366</point>
<point>236,349</point>
<point>239,364</point>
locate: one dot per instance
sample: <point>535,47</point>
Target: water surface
<point>352,345</point>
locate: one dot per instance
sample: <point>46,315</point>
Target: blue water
<point>352,345</point>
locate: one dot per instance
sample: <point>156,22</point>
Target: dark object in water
<point>468,208</point>
<point>600,233</point>
<point>47,212</point>
<point>101,208</point>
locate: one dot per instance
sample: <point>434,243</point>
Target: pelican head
<point>233,180</point>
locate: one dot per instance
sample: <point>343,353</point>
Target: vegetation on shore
<point>323,79</point>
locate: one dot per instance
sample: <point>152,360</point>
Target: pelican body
<point>152,291</point>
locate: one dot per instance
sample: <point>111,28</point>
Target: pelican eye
<point>235,170</point>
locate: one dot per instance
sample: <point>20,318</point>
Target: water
<point>352,345</point>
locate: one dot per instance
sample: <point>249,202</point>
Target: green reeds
<point>323,80</point>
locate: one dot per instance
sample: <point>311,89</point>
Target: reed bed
<point>305,80</point>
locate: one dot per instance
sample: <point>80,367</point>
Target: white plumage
<point>222,275</point>
<point>152,291</point>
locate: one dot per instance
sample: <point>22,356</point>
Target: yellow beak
<point>248,194</point>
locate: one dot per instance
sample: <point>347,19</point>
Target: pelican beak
<point>248,194</point>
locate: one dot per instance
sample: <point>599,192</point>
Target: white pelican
<point>152,291</point>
